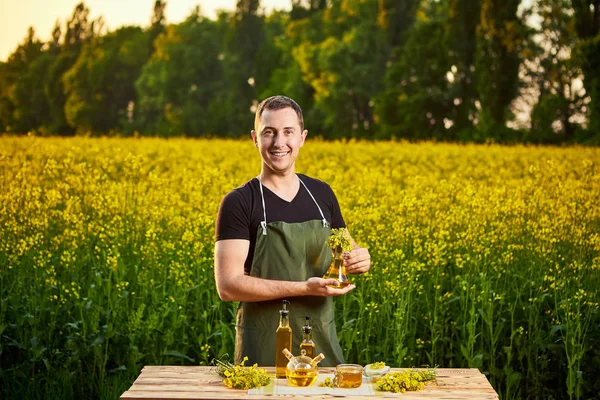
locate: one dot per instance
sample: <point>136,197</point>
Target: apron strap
<point>263,223</point>
<point>325,223</point>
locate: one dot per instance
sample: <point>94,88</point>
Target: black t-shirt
<point>241,211</point>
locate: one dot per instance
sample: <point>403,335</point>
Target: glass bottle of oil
<point>337,270</point>
<point>307,343</point>
<point>283,340</point>
<point>302,370</point>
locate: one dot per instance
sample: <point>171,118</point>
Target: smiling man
<point>271,243</point>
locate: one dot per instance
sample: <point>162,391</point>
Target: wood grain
<point>170,382</point>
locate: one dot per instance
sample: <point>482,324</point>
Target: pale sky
<point>17,15</point>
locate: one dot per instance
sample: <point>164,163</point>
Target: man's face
<point>279,139</point>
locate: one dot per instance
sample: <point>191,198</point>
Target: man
<point>271,236</point>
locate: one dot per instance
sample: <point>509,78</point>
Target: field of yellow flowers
<point>483,256</point>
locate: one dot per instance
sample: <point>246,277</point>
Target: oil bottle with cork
<point>307,344</point>
<point>283,340</point>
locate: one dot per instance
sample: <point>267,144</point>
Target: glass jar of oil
<point>348,376</point>
<point>302,370</point>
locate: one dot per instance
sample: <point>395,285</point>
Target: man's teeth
<point>280,154</point>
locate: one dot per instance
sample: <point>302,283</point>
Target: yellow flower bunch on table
<point>405,381</point>
<point>242,377</point>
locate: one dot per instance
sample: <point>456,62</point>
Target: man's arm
<point>234,285</point>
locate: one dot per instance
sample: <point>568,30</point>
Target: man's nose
<point>279,140</point>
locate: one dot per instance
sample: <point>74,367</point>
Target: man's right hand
<point>318,287</point>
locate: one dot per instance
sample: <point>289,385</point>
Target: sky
<point>17,15</point>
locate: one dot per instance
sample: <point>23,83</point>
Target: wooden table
<point>168,382</point>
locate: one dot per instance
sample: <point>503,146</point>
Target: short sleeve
<point>233,218</point>
<point>337,220</point>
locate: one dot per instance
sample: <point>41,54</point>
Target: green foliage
<point>344,68</point>
<point>451,70</point>
<point>416,100</point>
<point>500,36</point>
<point>99,86</point>
<point>463,20</point>
<point>181,88</point>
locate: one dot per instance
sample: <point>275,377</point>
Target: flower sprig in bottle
<point>339,242</point>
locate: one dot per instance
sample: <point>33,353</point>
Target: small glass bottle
<point>307,343</point>
<point>337,269</point>
<point>283,340</point>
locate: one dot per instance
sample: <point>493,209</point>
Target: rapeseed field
<point>483,256</point>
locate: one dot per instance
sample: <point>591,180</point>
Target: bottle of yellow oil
<point>337,270</point>
<point>283,340</point>
<point>307,343</point>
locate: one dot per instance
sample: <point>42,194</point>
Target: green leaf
<point>175,353</point>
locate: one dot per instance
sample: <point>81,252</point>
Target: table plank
<point>198,382</point>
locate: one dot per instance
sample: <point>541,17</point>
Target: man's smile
<point>280,154</point>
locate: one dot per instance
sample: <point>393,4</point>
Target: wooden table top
<point>171,382</point>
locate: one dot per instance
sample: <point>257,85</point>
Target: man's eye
<point>289,132</point>
<point>267,132</point>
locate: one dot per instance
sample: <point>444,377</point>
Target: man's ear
<point>304,133</point>
<point>254,138</point>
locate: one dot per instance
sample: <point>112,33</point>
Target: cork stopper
<point>318,358</point>
<point>287,353</point>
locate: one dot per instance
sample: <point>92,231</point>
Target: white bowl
<point>371,372</point>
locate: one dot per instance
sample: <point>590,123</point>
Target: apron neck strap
<point>263,223</point>
<point>325,223</point>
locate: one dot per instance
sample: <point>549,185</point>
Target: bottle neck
<point>284,320</point>
<point>307,336</point>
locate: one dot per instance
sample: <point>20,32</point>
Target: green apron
<point>288,252</point>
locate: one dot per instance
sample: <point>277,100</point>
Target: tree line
<point>452,70</point>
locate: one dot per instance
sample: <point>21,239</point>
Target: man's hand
<point>318,287</point>
<point>357,261</point>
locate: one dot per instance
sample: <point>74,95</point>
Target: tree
<point>463,20</point>
<point>344,66</point>
<point>100,85</point>
<point>181,89</point>
<point>54,44</point>
<point>396,17</point>
<point>500,38</point>
<point>416,102</point>
<point>78,30</point>
<point>244,41</point>
<point>158,21</point>
<point>556,74</point>
<point>23,105</point>
<point>587,26</point>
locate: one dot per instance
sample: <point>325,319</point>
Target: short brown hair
<point>275,103</point>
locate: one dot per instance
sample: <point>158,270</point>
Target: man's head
<point>278,134</point>
<point>275,103</point>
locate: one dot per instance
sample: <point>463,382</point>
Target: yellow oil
<point>302,377</point>
<point>309,347</point>
<point>350,379</point>
<point>337,271</point>
<point>340,285</point>
<point>283,340</point>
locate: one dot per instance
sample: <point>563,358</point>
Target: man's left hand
<point>357,261</point>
